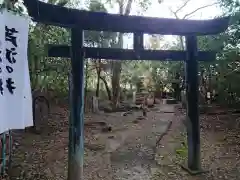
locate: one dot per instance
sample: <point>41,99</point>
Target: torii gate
<point>80,20</point>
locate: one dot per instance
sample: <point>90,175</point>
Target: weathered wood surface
<point>126,54</point>
<point>66,17</point>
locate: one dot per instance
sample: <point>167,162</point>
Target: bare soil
<point>125,153</point>
<point>220,149</point>
<point>128,152</point>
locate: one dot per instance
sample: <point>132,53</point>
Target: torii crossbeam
<point>79,20</point>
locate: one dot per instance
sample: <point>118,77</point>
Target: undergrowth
<point>182,151</point>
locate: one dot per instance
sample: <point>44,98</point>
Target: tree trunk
<point>107,88</point>
<point>116,83</point>
<point>117,68</point>
<point>86,83</point>
<point>117,65</point>
<point>98,77</point>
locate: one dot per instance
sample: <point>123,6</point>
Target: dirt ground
<point>125,153</point>
<point>220,149</point>
<point>128,152</point>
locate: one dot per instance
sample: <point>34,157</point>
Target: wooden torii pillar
<point>80,20</point>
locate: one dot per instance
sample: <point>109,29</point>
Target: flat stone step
<point>166,109</point>
<point>169,101</point>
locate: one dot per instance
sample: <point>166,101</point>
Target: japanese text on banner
<point>15,89</point>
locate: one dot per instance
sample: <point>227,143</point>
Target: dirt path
<point>134,160</point>
<point>107,155</point>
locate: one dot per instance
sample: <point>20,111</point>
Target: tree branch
<point>174,13</point>
<point>229,73</point>
<point>62,3</point>
<point>181,7</point>
<point>128,7</point>
<point>202,7</point>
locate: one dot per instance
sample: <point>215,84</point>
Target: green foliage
<point>182,151</point>
<point>52,73</point>
<point>225,70</point>
<point>15,7</point>
<point>48,73</point>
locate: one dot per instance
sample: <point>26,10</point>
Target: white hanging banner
<point>15,89</point>
<point>3,122</point>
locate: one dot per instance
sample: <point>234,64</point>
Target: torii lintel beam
<point>100,21</point>
<point>129,54</point>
